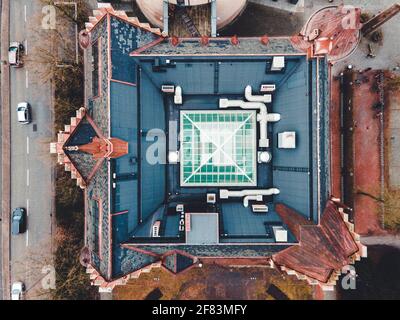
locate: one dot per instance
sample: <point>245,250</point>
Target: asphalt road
<point>31,164</point>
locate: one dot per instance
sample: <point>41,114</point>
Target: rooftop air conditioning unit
<point>156,229</point>
<point>168,88</point>
<point>268,88</point>
<point>179,208</point>
<point>257,208</point>
<point>211,198</point>
<point>280,234</point>
<point>287,140</point>
<point>278,63</point>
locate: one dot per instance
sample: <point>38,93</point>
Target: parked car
<point>24,115</point>
<point>18,221</point>
<point>15,52</point>
<point>17,289</point>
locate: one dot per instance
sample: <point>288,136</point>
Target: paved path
<point>390,240</point>
<point>393,136</point>
<point>282,5</point>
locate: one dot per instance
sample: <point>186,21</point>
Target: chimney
<point>235,40</point>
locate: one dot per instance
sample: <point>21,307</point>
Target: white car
<point>15,52</point>
<point>17,289</point>
<point>24,113</point>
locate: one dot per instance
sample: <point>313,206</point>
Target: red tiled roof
<point>322,249</point>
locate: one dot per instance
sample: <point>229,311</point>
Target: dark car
<point>18,221</point>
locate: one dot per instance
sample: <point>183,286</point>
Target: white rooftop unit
<point>211,198</point>
<point>268,88</point>
<point>179,208</point>
<point>287,140</point>
<point>257,208</point>
<point>278,63</point>
<point>155,232</point>
<point>178,95</point>
<point>168,88</point>
<point>264,157</point>
<point>173,157</point>
<point>280,234</point>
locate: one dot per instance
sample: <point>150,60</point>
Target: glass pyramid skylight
<point>218,148</point>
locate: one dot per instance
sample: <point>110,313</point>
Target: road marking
<point>25,12</point>
<point>26,47</point>
<point>27,177</point>
<point>27,207</point>
<point>27,145</point>
<point>27,238</point>
<point>26,79</point>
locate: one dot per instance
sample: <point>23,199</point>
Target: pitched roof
<point>177,262</point>
<point>322,249</point>
<point>107,9</point>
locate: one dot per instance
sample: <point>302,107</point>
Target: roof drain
<point>263,117</point>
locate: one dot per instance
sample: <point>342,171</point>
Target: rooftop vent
<point>268,88</point>
<point>211,198</point>
<point>278,63</point>
<point>179,208</point>
<point>168,88</point>
<point>155,230</point>
<point>173,157</point>
<point>264,157</point>
<point>287,140</point>
<point>280,234</point>
<point>178,95</point>
<point>259,208</point>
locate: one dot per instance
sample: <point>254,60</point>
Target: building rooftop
<point>198,148</point>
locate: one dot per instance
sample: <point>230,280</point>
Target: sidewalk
<point>389,240</point>
<point>282,5</point>
<point>393,140</point>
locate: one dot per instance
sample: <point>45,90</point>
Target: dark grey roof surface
<point>99,189</point>
<point>82,161</point>
<point>126,261</point>
<point>218,250</point>
<point>124,39</point>
<point>177,262</point>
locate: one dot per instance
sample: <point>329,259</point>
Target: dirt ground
<point>366,158</point>
<point>213,282</point>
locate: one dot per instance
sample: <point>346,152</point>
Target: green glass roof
<point>218,148</point>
